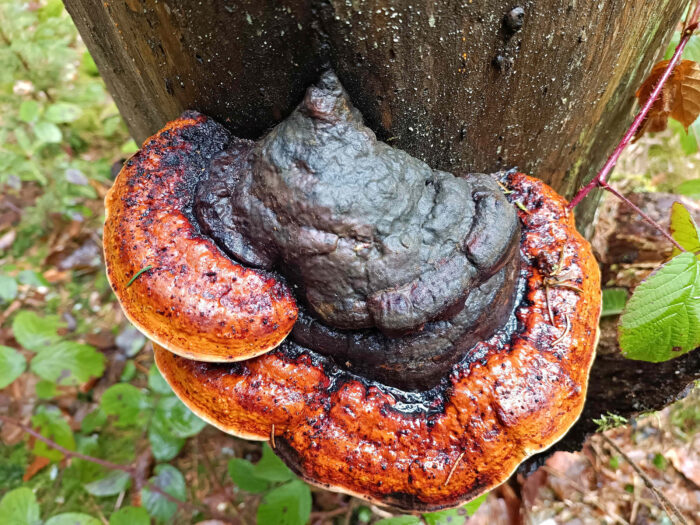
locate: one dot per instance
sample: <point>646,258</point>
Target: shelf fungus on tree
<point>400,333</point>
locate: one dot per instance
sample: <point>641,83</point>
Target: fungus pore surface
<point>399,333</point>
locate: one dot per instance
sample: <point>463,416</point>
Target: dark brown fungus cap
<point>422,409</point>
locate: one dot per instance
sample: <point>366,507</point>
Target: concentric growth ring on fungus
<point>509,396</point>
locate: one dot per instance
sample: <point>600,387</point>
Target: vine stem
<point>690,25</point>
<point>644,216</point>
<point>667,504</point>
<point>132,470</point>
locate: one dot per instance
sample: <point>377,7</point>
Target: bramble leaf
<point>170,480</point>
<point>73,518</point>
<point>8,288</point>
<point>243,475</point>
<point>690,188</point>
<point>164,444</point>
<point>50,424</point>
<point>126,402</point>
<point>68,363</point>
<point>130,516</point>
<point>272,468</point>
<point>111,485</point>
<point>179,419</point>
<point>662,318</point>
<point>20,507</point>
<point>614,300</point>
<point>12,364</point>
<point>400,520</point>
<point>474,504</point>
<point>288,504</point>
<point>683,229</point>
<point>36,333</point>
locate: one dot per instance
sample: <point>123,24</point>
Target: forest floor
<point>53,179</point>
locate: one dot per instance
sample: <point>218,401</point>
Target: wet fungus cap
<point>428,347</point>
<point>383,251</point>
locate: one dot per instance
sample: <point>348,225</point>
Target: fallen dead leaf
<point>679,98</point>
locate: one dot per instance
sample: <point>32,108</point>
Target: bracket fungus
<point>399,333</point>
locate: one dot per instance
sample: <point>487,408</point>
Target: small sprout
<point>565,333</point>
<point>505,189</point>
<point>138,274</point>
<point>452,470</point>
<point>609,421</point>
<point>614,462</point>
<point>522,207</point>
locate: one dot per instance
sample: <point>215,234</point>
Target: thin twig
<point>644,216</point>
<point>452,470</point>
<point>70,453</point>
<point>690,26</point>
<point>668,506</point>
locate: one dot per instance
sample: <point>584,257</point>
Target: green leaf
<point>474,504</point>
<point>446,517</point>
<point>170,480</point>
<point>12,364</point>
<point>243,475</point>
<point>68,363</point>
<point>19,507</point>
<point>662,318</point>
<point>614,300</point>
<point>272,468</point>
<point>129,147</point>
<point>614,462</point>
<point>164,445</point>
<point>73,518</point>
<point>126,402</point>
<point>8,288</point>
<point>93,421</point>
<point>683,229</point>
<point>130,516</point>
<point>34,332</point>
<point>288,504</point>
<point>112,484</point>
<point>29,111</point>
<point>45,389</point>
<point>50,424</point>
<point>156,382</point>
<point>178,418</point>
<point>48,132</point>
<point>32,278</point>
<point>687,139</point>
<point>690,188</point>
<point>128,372</point>
<point>62,113</point>
<point>399,520</point>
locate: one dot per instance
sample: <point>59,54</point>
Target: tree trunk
<point>452,82</point>
<point>449,82</point>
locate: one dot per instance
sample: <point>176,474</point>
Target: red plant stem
<point>70,453</point>
<point>644,216</point>
<point>130,469</point>
<point>690,26</point>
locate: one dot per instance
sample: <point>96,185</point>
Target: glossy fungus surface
<point>400,333</point>
<point>384,252</point>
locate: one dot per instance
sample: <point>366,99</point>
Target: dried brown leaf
<point>679,98</point>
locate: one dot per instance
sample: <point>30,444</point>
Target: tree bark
<point>449,82</point>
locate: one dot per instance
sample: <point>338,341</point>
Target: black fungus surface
<point>384,251</point>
